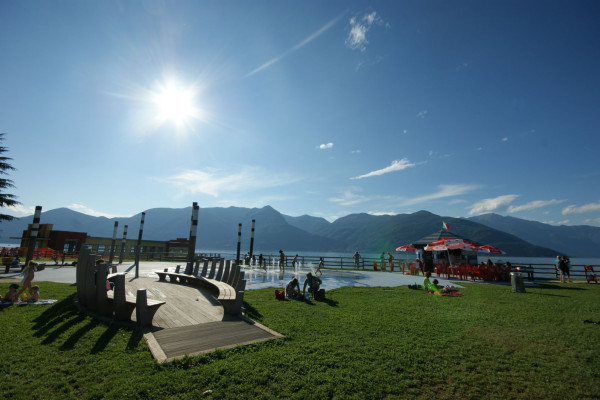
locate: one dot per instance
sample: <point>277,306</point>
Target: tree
<point>6,199</point>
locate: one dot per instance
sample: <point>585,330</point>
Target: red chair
<point>588,269</point>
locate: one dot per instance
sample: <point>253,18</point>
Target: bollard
<point>516,281</point>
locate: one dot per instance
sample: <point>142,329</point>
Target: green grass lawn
<point>361,343</point>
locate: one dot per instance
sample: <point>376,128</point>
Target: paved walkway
<point>256,279</point>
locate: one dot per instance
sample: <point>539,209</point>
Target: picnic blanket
<point>449,294</point>
<point>24,303</point>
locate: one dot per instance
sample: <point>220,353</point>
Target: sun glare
<point>176,104</point>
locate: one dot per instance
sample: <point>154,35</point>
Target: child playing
<point>34,294</point>
<point>11,295</point>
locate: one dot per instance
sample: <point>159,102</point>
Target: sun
<point>177,104</point>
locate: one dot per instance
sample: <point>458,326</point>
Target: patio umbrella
<point>451,244</point>
<point>489,249</point>
<point>407,249</point>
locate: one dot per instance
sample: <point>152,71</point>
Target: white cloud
<point>496,204</point>
<point>89,211</point>
<point>443,192</point>
<point>325,146</point>
<point>357,37</point>
<point>377,213</point>
<point>591,221</point>
<point>214,182</point>
<point>591,207</point>
<point>505,139</point>
<point>303,43</point>
<point>533,205</point>
<point>19,210</point>
<point>396,165</point>
<point>405,131</point>
<point>422,114</point>
<point>355,152</point>
<point>349,197</point>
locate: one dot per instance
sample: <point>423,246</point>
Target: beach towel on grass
<point>449,294</point>
<point>24,303</point>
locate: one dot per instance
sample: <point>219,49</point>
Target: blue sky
<point>321,108</point>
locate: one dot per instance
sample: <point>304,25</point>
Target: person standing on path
<point>356,257</point>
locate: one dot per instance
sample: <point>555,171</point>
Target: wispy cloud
<point>532,205</point>
<point>355,152</point>
<point>505,139</point>
<point>443,192</point>
<point>396,165</point>
<point>90,211</point>
<point>572,209</point>
<point>350,197</point>
<point>19,210</point>
<point>422,114</point>
<point>214,182</point>
<point>325,146</point>
<point>296,47</point>
<point>592,221</point>
<point>496,204</point>
<point>359,26</point>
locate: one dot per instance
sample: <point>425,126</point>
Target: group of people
<point>33,292</point>
<point>563,266</point>
<point>312,283</point>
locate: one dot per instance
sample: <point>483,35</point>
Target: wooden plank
<point>206,337</point>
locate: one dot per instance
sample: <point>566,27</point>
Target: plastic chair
<point>590,276</point>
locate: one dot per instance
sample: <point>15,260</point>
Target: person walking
<point>281,260</point>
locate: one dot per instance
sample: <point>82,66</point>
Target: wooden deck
<point>192,322</point>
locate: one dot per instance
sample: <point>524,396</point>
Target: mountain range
<point>218,227</point>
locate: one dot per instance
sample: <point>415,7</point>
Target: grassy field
<point>361,343</point>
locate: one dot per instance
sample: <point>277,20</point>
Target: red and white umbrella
<point>489,249</point>
<point>451,244</point>
<point>407,248</point>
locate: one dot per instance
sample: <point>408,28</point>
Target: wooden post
<point>112,246</point>
<point>123,244</point>
<point>252,241</point>
<point>237,257</point>
<point>192,245</point>
<point>139,247</point>
<point>35,227</point>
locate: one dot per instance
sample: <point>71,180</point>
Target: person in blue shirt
<point>313,284</point>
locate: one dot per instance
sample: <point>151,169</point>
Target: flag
<point>446,226</point>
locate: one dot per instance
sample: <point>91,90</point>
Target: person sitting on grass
<point>434,287</point>
<point>292,289</point>
<point>428,285</point>
<point>313,283</point>
<point>11,295</point>
<point>34,294</point>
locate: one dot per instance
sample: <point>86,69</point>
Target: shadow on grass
<point>60,330</point>
<point>74,338</point>
<point>105,338</point>
<point>329,302</point>
<point>251,312</point>
<point>134,340</point>
<point>557,286</point>
<point>58,313</point>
